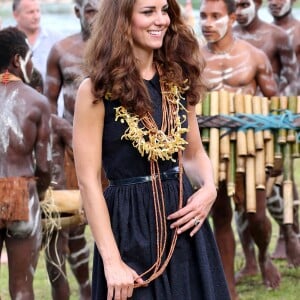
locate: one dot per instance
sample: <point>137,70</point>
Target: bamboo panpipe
<point>266,152</point>
<point>250,185</point>
<point>241,135</point>
<point>258,134</point>
<point>214,141</point>
<point>283,104</point>
<point>225,140</point>
<point>249,132</point>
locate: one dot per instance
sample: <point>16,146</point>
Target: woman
<point>136,114</point>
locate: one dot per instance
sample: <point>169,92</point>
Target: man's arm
<point>63,129</point>
<point>264,75</point>
<point>289,66</point>
<point>43,148</point>
<point>54,79</point>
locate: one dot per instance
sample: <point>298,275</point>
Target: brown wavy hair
<point>112,67</point>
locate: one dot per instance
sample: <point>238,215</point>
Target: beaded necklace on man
<point>157,144</point>
<point>7,77</point>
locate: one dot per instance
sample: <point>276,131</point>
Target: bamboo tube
<point>295,150</point>
<point>260,173</point>
<point>214,141</point>
<point>288,215</point>
<point>288,198</point>
<point>205,113</point>
<point>258,134</point>
<point>265,112</point>
<point>250,185</point>
<point>292,107</point>
<point>241,135</point>
<point>283,100</point>
<point>224,110</point>
<point>274,106</point>
<point>250,132</point>
<point>231,170</point>
<point>223,170</point>
<point>232,112</point>
<point>287,163</point>
<point>240,164</point>
<point>269,153</point>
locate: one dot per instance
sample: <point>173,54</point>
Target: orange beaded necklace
<point>7,77</point>
<point>159,144</point>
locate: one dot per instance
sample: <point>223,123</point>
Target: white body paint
<point>248,12</point>
<point>9,122</point>
<point>23,64</point>
<point>220,26</point>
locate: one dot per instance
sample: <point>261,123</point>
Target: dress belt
<point>169,174</point>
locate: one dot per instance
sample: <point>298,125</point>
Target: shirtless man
<point>64,72</point>
<point>281,10</point>
<point>235,65</point>
<point>58,247</point>
<point>56,250</point>
<point>25,162</point>
<point>272,40</point>
<point>276,44</point>
<point>282,13</point>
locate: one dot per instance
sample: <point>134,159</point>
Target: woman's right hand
<point>120,280</point>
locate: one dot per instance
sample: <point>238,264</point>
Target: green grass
<point>251,288</point>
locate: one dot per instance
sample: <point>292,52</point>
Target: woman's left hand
<point>193,214</point>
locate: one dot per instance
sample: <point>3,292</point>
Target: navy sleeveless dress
<point>194,271</point>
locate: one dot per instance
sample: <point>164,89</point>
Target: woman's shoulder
<point>85,85</point>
